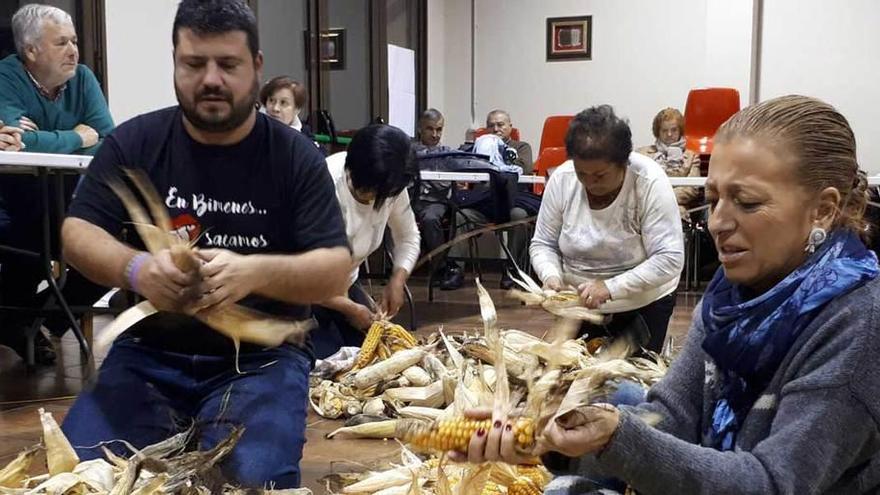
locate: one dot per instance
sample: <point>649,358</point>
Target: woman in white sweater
<point>609,226</point>
<point>371,180</point>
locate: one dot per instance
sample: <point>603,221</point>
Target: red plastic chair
<point>550,158</point>
<point>482,131</point>
<point>705,111</point>
<point>553,135</point>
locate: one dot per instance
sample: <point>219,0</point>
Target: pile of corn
<point>162,468</point>
<point>439,477</point>
<point>531,379</point>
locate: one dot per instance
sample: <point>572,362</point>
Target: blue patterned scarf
<point>749,338</point>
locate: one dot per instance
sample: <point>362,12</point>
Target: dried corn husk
<point>374,406</point>
<point>62,483</point>
<point>421,413</point>
<point>417,376</point>
<point>97,474</point>
<point>388,368</point>
<point>435,367</point>
<point>15,473</point>
<point>153,486</point>
<point>565,304</point>
<point>375,482</point>
<point>376,429</point>
<point>430,396</point>
<point>60,456</point>
<point>235,321</point>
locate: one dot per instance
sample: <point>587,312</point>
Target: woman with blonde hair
<point>777,389</point>
<point>668,150</point>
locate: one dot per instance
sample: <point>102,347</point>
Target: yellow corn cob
<point>524,486</point>
<point>534,472</point>
<point>455,434</point>
<point>491,488</point>
<point>397,331</point>
<point>368,348</point>
<point>382,352</point>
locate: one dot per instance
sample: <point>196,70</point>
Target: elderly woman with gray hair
<point>669,152</point>
<point>777,389</point>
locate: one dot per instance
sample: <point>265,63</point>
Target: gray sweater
<point>814,429</point>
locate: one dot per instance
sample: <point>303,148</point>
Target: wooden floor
<point>22,392</point>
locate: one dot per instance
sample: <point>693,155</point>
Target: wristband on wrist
<point>132,269</point>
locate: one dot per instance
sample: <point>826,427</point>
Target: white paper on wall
<point>402,88</point>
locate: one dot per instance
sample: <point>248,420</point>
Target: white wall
<point>281,24</point>
<point>436,52</point>
<point>140,68</point>
<point>830,51</point>
<point>449,65</point>
<point>639,65</point>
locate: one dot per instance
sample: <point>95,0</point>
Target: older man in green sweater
<point>58,107</point>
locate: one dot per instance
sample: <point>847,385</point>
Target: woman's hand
<point>392,298</point>
<point>585,430</point>
<point>496,444</point>
<point>553,283</point>
<point>594,294</point>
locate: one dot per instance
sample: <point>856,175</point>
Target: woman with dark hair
<point>777,389</point>
<point>371,181</point>
<point>609,225</point>
<point>283,99</point>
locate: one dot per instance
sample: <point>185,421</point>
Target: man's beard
<point>213,122</point>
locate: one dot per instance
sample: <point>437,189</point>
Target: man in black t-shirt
<point>257,199</point>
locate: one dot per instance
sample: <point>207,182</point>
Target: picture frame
<point>331,48</point>
<point>570,38</point>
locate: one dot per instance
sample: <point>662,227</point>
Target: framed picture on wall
<point>332,48</point>
<point>570,38</point>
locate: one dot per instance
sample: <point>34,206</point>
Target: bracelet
<point>132,268</point>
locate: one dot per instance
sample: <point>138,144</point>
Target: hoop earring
<point>815,239</point>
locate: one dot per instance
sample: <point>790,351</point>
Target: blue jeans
<point>144,395</point>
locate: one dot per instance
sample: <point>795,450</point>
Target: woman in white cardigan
<point>371,180</point>
<point>609,226</point>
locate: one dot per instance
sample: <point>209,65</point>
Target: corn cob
<point>535,472</point>
<point>524,486</point>
<point>455,434</point>
<point>398,332</point>
<point>368,348</point>
<point>491,488</point>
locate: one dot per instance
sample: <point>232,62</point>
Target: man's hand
<point>228,277</point>
<point>27,124</point>
<point>359,316</point>
<point>583,431</point>
<point>10,138</point>
<point>594,294</point>
<point>392,297</point>
<point>164,285</point>
<point>88,135</point>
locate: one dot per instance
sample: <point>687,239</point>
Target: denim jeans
<point>144,395</point>
<point>334,330</point>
